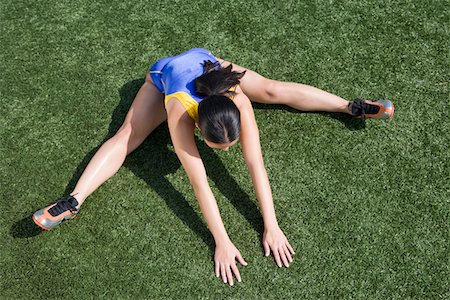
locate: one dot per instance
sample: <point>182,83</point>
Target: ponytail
<point>218,117</point>
<point>217,80</point>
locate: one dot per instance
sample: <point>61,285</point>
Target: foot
<point>51,216</point>
<point>372,109</point>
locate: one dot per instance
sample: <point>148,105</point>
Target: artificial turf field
<point>365,204</point>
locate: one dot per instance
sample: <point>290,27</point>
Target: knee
<point>127,137</point>
<point>273,90</point>
<point>124,134</point>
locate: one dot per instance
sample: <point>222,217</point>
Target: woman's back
<point>177,73</point>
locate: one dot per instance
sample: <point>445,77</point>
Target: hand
<point>224,261</point>
<point>275,240</point>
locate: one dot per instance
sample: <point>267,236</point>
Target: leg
<point>299,96</point>
<point>145,114</point>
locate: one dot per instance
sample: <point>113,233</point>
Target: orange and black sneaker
<point>61,210</point>
<point>372,109</point>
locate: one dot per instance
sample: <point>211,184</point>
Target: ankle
<point>79,197</point>
<point>348,108</point>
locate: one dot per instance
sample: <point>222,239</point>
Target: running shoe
<point>52,215</point>
<point>372,109</point>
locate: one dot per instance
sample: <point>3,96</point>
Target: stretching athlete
<point>196,89</point>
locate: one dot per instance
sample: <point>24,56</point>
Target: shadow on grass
<point>154,159</point>
<point>25,228</point>
<point>349,122</point>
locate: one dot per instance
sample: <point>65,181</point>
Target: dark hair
<point>218,117</point>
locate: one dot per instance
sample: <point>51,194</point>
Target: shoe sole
<point>47,228</point>
<point>391,113</point>
<point>39,224</point>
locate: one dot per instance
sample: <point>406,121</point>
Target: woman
<point>196,89</point>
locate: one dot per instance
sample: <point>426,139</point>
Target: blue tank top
<point>174,76</point>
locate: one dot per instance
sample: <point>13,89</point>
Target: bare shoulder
<point>177,114</point>
<point>241,100</point>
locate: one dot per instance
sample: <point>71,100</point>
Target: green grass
<point>366,206</point>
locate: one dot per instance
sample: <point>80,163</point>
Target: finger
<point>223,272</point>
<point>240,259</point>
<point>236,272</point>
<point>288,255</point>
<point>216,268</point>
<point>266,249</point>
<point>230,276</point>
<point>283,257</point>
<point>276,255</point>
<point>290,248</point>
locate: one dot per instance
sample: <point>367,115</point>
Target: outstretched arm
<point>181,129</point>
<point>274,239</point>
<point>182,134</point>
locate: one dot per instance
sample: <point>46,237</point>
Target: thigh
<point>254,85</point>
<point>145,114</point>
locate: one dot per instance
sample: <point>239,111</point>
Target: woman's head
<point>219,119</point>
<point>218,116</point>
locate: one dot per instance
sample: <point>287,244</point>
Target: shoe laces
<point>362,108</point>
<point>64,204</point>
